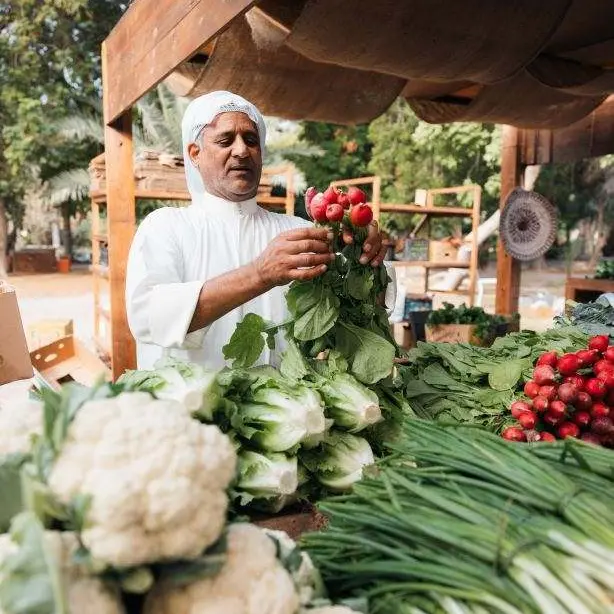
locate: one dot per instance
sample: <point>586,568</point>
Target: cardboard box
<point>67,360</point>
<point>14,358</point>
<point>452,333</point>
<point>45,332</point>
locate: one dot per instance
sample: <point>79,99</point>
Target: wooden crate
<point>35,261</point>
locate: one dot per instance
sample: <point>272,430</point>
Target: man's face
<point>229,157</point>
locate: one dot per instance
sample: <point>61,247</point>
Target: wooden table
<point>586,290</point>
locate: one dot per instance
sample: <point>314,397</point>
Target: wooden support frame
<point>508,269</point>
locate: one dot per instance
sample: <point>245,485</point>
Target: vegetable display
<point>569,396</point>
<point>124,512</point>
<point>468,384</point>
<point>474,524</point>
<point>595,318</point>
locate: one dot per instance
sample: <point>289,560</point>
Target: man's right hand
<point>302,254</point>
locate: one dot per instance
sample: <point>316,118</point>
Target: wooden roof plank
<point>153,38</point>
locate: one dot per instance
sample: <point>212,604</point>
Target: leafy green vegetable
<point>247,342</point>
<point>370,356</point>
<point>11,502</point>
<point>319,318</point>
<point>339,462</point>
<point>30,578</point>
<point>591,318</point>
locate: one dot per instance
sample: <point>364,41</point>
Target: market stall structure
<point>279,53</point>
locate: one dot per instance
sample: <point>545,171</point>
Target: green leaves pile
<point>591,318</point>
<point>462,383</point>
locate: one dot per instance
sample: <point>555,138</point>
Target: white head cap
<point>201,112</point>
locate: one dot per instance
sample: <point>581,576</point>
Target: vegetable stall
<point>450,478</point>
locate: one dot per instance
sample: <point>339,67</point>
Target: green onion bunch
<point>457,520</point>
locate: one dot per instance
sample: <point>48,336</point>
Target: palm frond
<point>82,127</point>
<point>72,185</point>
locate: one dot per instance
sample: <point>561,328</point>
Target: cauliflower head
<point>252,581</point>
<point>19,421</point>
<point>157,479</point>
<point>83,592</point>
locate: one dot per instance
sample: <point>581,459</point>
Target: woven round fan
<point>528,225</point>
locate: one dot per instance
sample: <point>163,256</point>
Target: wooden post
<point>508,269</point>
<point>120,227</point>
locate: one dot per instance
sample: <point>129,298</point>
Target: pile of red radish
<point>569,396</point>
<point>333,205</point>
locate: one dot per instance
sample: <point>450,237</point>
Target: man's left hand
<point>373,249</point>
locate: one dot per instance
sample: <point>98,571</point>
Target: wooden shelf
<point>105,314</point>
<point>432,211</point>
<point>101,238</point>
<point>425,264</point>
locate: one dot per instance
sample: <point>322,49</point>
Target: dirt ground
<point>70,296</point>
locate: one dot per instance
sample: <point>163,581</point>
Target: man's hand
<point>373,249</point>
<point>302,254</point>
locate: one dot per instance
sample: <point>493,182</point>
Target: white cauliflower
<point>83,593</point>
<point>19,421</point>
<point>252,581</point>
<point>157,479</point>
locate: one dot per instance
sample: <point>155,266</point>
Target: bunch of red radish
<point>569,396</point>
<point>333,205</point>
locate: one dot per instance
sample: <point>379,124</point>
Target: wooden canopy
<point>526,64</point>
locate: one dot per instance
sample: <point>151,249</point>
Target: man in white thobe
<point>195,272</point>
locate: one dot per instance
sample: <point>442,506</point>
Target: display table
<point>583,290</point>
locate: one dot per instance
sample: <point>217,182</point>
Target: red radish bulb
<point>596,388</point>
<point>548,391</point>
<point>545,436</point>
<point>568,429</point>
<point>549,358</point>
<point>587,357</point>
<point>575,380</point>
<point>356,195</point>
<point>599,343</point>
<point>513,433</point>
<point>568,364</point>
<point>309,194</point>
<point>552,419</point>
<point>600,410</point>
<point>602,365</point>
<point>591,438</point>
<point>331,194</point>
<point>602,426</point>
<point>361,215</point>
<point>531,389</point>
<point>344,201</point>
<point>334,212</point>
<point>540,403</point>
<point>583,401</point>
<point>543,375</point>
<point>519,406</point>
<point>558,408</point>
<point>581,418</point>
<point>317,208</point>
<point>568,393</point>
<point>607,377</point>
<point>527,419</point>
<point>609,354</point>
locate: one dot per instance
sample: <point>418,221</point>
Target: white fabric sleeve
<point>390,298</point>
<point>160,305</point>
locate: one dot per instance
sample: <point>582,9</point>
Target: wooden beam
<point>153,38</point>
<point>508,269</point>
<point>120,226</point>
